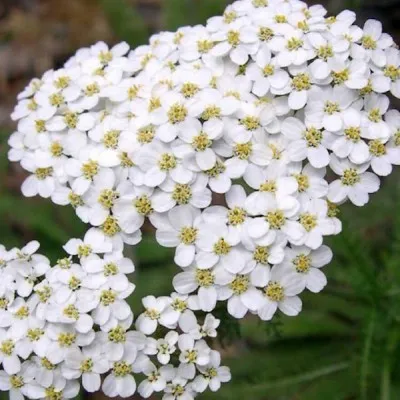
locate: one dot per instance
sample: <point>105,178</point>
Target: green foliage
<point>125,21</point>
<point>345,343</point>
<point>179,13</point>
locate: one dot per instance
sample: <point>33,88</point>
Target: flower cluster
<point>71,321</point>
<point>272,110</point>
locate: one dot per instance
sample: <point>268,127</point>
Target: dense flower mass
<point>257,107</point>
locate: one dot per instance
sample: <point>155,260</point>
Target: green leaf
<point>125,21</point>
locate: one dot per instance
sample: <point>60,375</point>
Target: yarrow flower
<point>272,94</point>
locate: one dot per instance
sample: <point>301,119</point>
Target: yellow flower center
<point>237,216</point>
<point>177,113</point>
<point>62,82</point>
<point>325,52</point>
<point>302,263</point>
<point>121,369</point>
<point>265,34</point>
<point>261,254</point>
<point>71,312</point>
<point>110,139</point>
<point>211,112</point>
<point>375,115</point>
<point>280,19</point>
<point>189,89</point>
<point>66,339</point>
<point>90,169</point>
<point>146,134</point>
<point>294,44</point>
<point>56,149</point>
<point>331,107</point>
<point>309,221</point>
<point>204,46</point>
<point>167,162</point>
<point>353,133</point>
<point>110,226</point>
<point>84,250</point>
<point>377,148</point>
<point>47,364</point>
<point>274,291</point>
<point>43,173</point>
<point>303,182</point>
<point>222,247</point>
<point>92,90</point>
<point>368,43</point>
<point>107,297</point>
<point>71,119</point>
<point>117,334</point>
<point>216,170</point>
<point>107,198</point>
<point>111,269</point>
<point>143,205</point>
<point>204,277</point>
<point>188,235</point>
<point>7,347</point>
<point>301,82</point>
<point>276,219</point>
<point>240,284</point>
<point>201,142</point>
<point>16,381</point>
<point>392,72</point>
<point>340,77</point>
<point>250,123</point>
<point>350,177</point>
<point>56,99</point>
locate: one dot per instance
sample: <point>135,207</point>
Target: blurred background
<point>345,344</point>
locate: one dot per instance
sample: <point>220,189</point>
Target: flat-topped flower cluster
<point>254,111</point>
<point>69,322</point>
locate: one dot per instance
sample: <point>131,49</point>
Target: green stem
<point>387,365</point>
<point>308,376</point>
<point>365,356</point>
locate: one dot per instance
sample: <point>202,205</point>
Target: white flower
<point>179,229</point>
<point>349,142</point>
<point>163,348</point>
<point>148,321</point>
<point>373,43</point>
<point>314,219</point>
<point>307,263</point>
<point>178,390</point>
<point>216,243</point>
<point>120,381</point>
<point>174,194</point>
<point>237,40</point>
<point>388,79</point>
<point>21,384</point>
<point>203,279</point>
<point>157,379</point>
<point>375,106</point>
<point>42,181</point>
<point>242,296</point>
<point>281,292</point>
<point>266,75</point>
<point>92,242</point>
<point>353,74</point>
<point>193,353</point>
<point>198,141</point>
<point>307,141</point>
<point>291,48</point>
<point>158,162</point>
<point>88,364</point>
<point>354,184</point>
<point>326,106</point>
<point>212,374</point>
